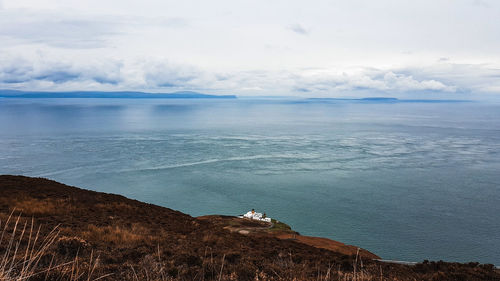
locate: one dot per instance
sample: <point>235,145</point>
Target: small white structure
<point>255,216</point>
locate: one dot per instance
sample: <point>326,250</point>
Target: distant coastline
<point>196,95</point>
<point>384,100</point>
<point>121,95</point>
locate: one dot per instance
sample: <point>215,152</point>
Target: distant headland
<point>120,95</point>
<point>383,100</point>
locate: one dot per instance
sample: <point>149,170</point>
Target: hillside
<point>122,239</point>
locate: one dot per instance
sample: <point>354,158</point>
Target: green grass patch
<point>280,226</point>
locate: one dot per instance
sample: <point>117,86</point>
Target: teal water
<point>407,181</point>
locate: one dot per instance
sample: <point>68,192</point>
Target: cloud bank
<point>164,76</point>
<point>234,47</point>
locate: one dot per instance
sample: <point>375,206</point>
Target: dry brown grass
<point>36,207</point>
<point>114,206</point>
<point>22,248</point>
<point>117,235</point>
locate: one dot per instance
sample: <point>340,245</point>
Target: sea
<point>406,180</point>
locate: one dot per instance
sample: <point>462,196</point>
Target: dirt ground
<point>264,230</point>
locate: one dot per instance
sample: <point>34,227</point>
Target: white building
<point>255,216</point>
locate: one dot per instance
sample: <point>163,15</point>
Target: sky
<point>420,49</point>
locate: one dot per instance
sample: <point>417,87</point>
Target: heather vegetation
<point>50,231</point>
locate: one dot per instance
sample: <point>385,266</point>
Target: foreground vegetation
<point>55,232</point>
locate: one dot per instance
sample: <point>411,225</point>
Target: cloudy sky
<point>426,48</point>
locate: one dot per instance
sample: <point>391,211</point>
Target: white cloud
<point>403,82</point>
<point>389,82</point>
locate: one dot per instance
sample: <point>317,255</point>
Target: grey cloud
<point>58,76</point>
<point>16,72</point>
<point>299,29</point>
<point>20,71</point>
<point>109,74</point>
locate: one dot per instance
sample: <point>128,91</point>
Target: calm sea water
<point>408,181</point>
